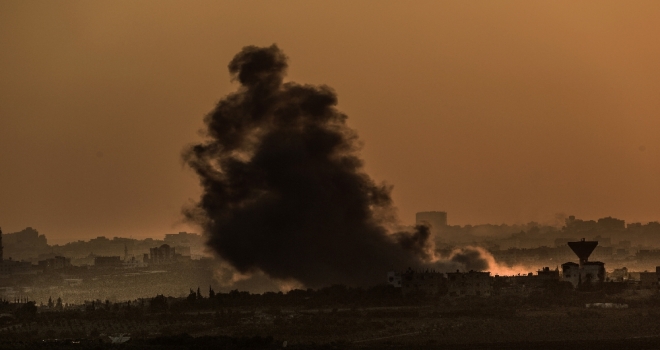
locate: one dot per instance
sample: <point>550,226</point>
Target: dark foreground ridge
<point>338,317</point>
<point>185,341</point>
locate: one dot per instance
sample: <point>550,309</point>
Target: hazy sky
<point>496,112</point>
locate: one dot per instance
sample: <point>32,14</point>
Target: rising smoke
<point>284,190</point>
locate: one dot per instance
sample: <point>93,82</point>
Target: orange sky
<point>496,112</point>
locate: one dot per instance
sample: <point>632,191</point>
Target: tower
<point>583,249</point>
<point>587,272</point>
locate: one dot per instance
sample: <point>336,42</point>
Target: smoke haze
<point>284,190</point>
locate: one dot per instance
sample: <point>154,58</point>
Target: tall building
<point>436,219</point>
<point>162,255</point>
<point>25,244</point>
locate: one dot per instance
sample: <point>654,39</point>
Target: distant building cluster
<point>55,263</point>
<point>9,267</point>
<point>453,284</point>
<point>27,253</point>
<point>28,243</point>
<point>163,255</point>
<point>480,283</point>
<point>107,261</point>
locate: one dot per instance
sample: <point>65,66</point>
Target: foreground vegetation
<point>341,317</point>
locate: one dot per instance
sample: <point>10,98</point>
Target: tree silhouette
<point>158,303</point>
<point>192,296</point>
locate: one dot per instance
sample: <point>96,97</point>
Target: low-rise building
<point>474,283</point>
<point>13,267</point>
<point>453,284</point>
<point>133,263</point>
<point>648,280</point>
<point>424,281</point>
<point>56,263</point>
<point>107,261</point>
<point>619,275</point>
<point>589,273</point>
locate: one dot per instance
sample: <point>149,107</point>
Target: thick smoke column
<point>284,190</point>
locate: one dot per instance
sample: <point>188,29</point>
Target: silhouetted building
<point>186,244</point>
<point>644,255</point>
<point>611,224</point>
<point>27,237</point>
<point>453,284</point>
<point>12,267</point>
<point>107,261</point>
<point>133,263</point>
<point>586,272</point>
<point>162,255</point>
<point>608,224</point>
<point>472,283</point>
<point>592,272</point>
<point>24,244</point>
<point>56,263</point>
<point>182,239</point>
<point>522,283</point>
<point>546,274</point>
<point>574,225</point>
<point>648,279</point>
<point>426,282</point>
<point>619,275</point>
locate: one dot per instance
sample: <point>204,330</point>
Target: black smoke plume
<point>471,258</point>
<point>284,190</point>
